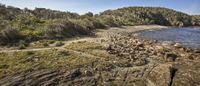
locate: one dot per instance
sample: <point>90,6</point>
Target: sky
<point>191,7</point>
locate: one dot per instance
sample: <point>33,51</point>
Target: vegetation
<point>59,43</point>
<point>196,20</point>
<point>30,25</point>
<point>148,15</point>
<point>28,61</point>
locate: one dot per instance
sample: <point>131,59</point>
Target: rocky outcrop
<point>175,65</point>
<point>187,74</point>
<point>161,75</point>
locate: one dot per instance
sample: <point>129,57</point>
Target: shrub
<point>66,28</point>
<point>51,41</point>
<point>59,43</point>
<point>59,29</point>
<point>45,44</point>
<point>22,42</point>
<point>63,53</point>
<point>22,46</point>
<point>9,35</point>
<point>109,21</point>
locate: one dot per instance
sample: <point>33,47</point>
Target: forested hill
<point>28,25</point>
<point>150,15</point>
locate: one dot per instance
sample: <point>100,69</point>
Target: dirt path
<point>41,49</point>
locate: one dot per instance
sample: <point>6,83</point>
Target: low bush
<point>10,35</point>
<point>59,43</point>
<point>62,29</point>
<point>45,44</point>
<point>22,46</point>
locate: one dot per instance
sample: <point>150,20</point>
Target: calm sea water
<point>189,37</point>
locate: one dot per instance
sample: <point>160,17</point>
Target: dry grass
<point>92,48</point>
<point>17,62</point>
<point>85,55</point>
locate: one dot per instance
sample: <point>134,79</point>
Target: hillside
<point>149,15</point>
<point>27,25</point>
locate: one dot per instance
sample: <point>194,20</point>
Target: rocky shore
<point>170,64</point>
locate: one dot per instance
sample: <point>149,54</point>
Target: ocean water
<point>189,36</point>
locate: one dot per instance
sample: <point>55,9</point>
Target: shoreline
<point>114,56</point>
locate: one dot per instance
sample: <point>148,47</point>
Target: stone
<point>88,73</point>
<point>36,59</point>
<point>178,45</point>
<point>160,75</point>
<point>170,56</point>
<point>167,43</point>
<point>140,44</point>
<point>197,50</point>
<point>187,74</point>
<point>158,47</point>
<point>140,62</point>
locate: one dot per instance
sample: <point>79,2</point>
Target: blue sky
<point>83,6</point>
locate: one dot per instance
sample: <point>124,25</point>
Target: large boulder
<point>188,74</point>
<point>160,75</point>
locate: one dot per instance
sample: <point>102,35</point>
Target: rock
<point>187,74</point>
<point>158,47</point>
<point>88,73</point>
<point>140,44</point>
<point>136,34</point>
<point>167,43</point>
<point>178,45</point>
<point>170,56</point>
<point>140,62</point>
<point>4,66</point>
<point>160,75</point>
<point>197,50</point>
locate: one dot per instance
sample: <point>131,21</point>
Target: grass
<point>91,48</point>
<point>99,50</point>
<point>18,62</point>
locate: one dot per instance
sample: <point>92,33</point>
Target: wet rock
<point>160,75</point>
